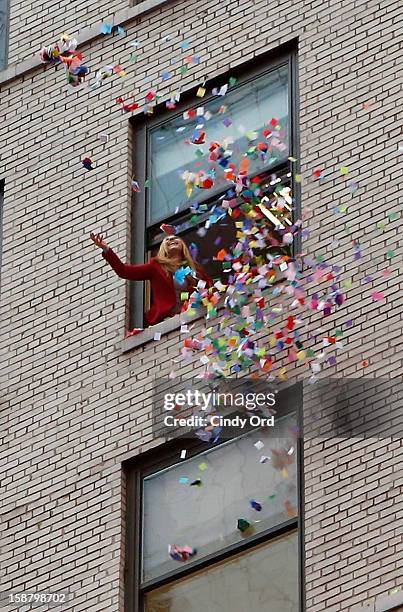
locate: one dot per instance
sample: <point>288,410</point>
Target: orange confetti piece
<point>221,255</point>
<point>244,166</point>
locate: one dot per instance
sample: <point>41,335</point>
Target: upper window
<point>239,118</point>
<point>233,507</point>
<point>187,160</point>
<point>3,33</point>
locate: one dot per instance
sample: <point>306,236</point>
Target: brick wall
<point>73,405</point>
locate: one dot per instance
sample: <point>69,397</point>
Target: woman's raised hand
<point>98,240</point>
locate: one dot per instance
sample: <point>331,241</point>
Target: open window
<point>187,159</point>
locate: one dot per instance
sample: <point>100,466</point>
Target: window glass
<point>265,578</point>
<point>236,116</point>
<point>206,517</point>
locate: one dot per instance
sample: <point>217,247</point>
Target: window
<point>231,569</point>
<point>253,122</point>
<point>4,9</point>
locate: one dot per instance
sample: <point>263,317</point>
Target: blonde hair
<point>168,263</point>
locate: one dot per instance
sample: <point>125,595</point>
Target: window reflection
<point>246,109</point>
<point>205,517</point>
<point>264,579</point>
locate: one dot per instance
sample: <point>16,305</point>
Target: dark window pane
<point>263,579</point>
<point>232,475</point>
<point>238,117</point>
<point>224,234</point>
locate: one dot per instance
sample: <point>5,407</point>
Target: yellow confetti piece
<point>292,159</point>
<point>203,466</point>
<point>298,178</point>
<point>344,170</point>
<point>201,92</point>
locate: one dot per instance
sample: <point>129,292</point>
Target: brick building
<point>80,454</point>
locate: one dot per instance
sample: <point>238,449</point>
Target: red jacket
<point>162,284</point>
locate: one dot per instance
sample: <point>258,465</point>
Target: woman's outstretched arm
<point>127,271</point>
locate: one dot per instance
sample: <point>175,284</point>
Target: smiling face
<point>174,246</point>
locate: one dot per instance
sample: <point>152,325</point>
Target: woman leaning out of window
<point>172,272</point>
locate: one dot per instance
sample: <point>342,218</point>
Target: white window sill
<point>148,333</point>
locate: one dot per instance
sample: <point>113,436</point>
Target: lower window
<point>262,579</point>
<point>219,530</point>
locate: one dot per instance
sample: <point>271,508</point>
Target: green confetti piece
<point>310,353</point>
<point>347,284</point>
<point>381,225</point>
<point>320,258</point>
<point>343,209</point>
<point>272,497</point>
<point>393,216</point>
<point>232,81</point>
<point>390,254</point>
<point>344,170</point>
<point>133,57</point>
<point>251,135</point>
<point>298,178</point>
<point>338,333</point>
<point>243,525</point>
<point>203,466</point>
<point>184,70</point>
<point>199,153</point>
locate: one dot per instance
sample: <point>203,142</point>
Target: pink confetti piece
<point>378,296</point>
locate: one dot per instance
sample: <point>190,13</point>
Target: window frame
<point>141,127</point>
<point>166,455</point>
<point>3,66</point>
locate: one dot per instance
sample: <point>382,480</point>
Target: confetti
<point>181,553</point>
<point>106,28</point>
<point>255,505</point>
<point>196,483</point>
<point>243,525</point>
<point>378,296</point>
<point>88,163</point>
